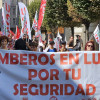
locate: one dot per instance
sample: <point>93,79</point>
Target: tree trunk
<point>87,24</point>
<point>87,31</point>
<point>72,30</point>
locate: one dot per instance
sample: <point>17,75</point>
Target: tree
<point>88,11</point>
<point>56,15</point>
<point>72,12</point>
<point>32,9</point>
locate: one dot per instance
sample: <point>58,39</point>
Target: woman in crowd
<point>4,42</point>
<point>70,43</point>
<point>63,47</point>
<point>89,46</point>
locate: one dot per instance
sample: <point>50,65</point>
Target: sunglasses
<point>90,46</point>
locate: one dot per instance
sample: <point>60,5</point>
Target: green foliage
<point>87,9</point>
<point>56,15</point>
<point>32,10</point>
<point>72,12</point>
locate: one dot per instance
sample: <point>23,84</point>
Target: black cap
<point>51,42</point>
<point>63,42</point>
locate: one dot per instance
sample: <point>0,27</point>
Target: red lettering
<point>22,59</point>
<point>30,89</point>
<point>54,73</point>
<point>7,16</point>
<point>53,60</point>
<point>73,74</point>
<point>67,73</point>
<point>7,7</point>
<point>46,89</point>
<point>85,59</point>
<point>7,24</point>
<point>32,58</point>
<point>94,58</point>
<point>66,89</point>
<point>54,88</point>
<point>46,74</point>
<point>22,11</point>
<point>72,58</point>
<point>80,90</point>
<point>62,59</point>
<point>61,89</point>
<point>30,75</point>
<point>23,89</point>
<point>16,90</point>
<point>46,59</point>
<point>14,58</point>
<point>5,59</point>
<point>93,89</point>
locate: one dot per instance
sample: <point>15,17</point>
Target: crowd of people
<point>25,43</point>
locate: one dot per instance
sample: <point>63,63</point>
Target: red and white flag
<point>57,41</point>
<point>97,34</point>
<point>7,16</point>
<point>3,26</point>
<point>41,13</point>
<point>25,22</point>
<point>12,33</point>
<point>18,33</point>
<point>35,22</point>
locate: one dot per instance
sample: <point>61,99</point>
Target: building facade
<point>12,12</point>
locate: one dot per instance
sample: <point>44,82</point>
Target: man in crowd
<point>20,44</point>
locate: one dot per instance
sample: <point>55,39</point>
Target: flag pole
<point>16,15</point>
<point>99,34</point>
<point>99,46</point>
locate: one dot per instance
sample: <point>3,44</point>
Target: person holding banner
<point>4,42</point>
<point>89,46</point>
<point>63,47</point>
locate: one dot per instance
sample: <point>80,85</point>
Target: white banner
<point>7,16</point>
<point>25,22</point>
<point>49,76</point>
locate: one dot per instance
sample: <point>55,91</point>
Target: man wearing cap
<point>52,49</point>
<point>63,47</point>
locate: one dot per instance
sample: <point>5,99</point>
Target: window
<point>14,11</point>
<point>14,21</point>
